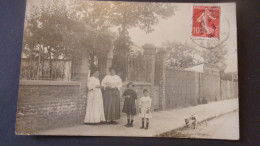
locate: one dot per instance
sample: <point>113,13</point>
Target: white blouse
<point>92,83</point>
<point>112,81</point>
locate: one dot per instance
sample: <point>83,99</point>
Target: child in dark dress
<point>129,104</point>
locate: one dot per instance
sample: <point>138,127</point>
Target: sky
<point>178,28</point>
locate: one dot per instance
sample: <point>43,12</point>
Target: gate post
<point>82,72</point>
<point>161,60</point>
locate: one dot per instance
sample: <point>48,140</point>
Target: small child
<point>129,104</point>
<point>145,108</point>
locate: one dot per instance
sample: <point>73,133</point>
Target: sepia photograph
<point>131,69</point>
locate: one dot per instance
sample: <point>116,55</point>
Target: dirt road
<point>223,127</point>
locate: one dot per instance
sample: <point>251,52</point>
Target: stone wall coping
<point>41,82</point>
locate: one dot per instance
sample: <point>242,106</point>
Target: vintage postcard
<point>135,69</point>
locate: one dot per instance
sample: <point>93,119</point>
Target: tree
<point>60,29</point>
<point>142,15</point>
<point>186,55</point>
<point>216,56</point>
<point>181,55</point>
<point>53,31</point>
<point>123,16</point>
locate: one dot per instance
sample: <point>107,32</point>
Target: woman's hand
<point>127,96</point>
<point>109,87</point>
<point>148,110</point>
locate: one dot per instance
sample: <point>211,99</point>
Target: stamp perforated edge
<point>191,22</point>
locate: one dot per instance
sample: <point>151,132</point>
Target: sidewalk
<point>161,122</point>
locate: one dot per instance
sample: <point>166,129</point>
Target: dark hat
<point>112,68</point>
<point>93,69</point>
<point>130,83</point>
<point>145,90</point>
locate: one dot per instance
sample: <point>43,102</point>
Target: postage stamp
<point>205,22</point>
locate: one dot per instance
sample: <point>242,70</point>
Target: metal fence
<point>45,70</point>
<point>137,69</point>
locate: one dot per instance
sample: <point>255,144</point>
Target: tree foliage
<point>122,16</point>
<point>216,56</point>
<point>53,31</point>
<point>181,55</point>
<point>58,29</point>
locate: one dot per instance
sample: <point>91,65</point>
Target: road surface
<point>223,127</point>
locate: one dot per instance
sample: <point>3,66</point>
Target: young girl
<point>145,108</point>
<point>129,104</point>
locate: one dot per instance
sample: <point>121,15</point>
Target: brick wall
<point>229,89</point>
<point>46,105</point>
<point>185,88</point>
<point>209,86</point>
<point>181,88</point>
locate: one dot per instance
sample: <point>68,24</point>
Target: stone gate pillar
<point>82,71</point>
<point>161,60</point>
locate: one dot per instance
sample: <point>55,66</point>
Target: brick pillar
<point>81,71</point>
<point>149,54</point>
<point>161,60</point>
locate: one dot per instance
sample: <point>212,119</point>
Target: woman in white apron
<point>95,107</point>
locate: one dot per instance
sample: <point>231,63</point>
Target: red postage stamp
<point>205,22</point>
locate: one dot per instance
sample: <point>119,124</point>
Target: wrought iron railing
<point>32,69</point>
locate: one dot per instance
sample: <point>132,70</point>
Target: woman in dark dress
<point>129,104</point>
<point>112,84</point>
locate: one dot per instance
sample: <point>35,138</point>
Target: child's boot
<point>147,125</point>
<point>128,123</point>
<point>142,125</point>
<point>131,124</point>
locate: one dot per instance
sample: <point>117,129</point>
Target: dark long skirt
<point>111,104</point>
